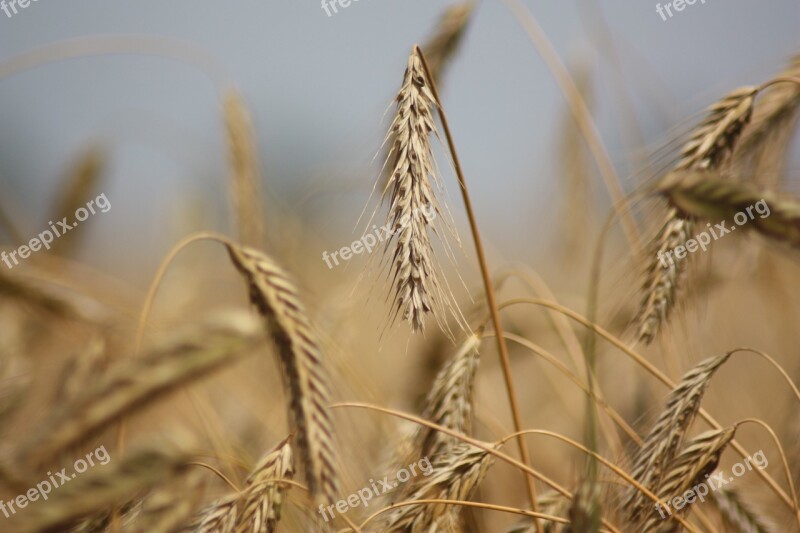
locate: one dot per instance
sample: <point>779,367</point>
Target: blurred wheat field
<point>254,385</point>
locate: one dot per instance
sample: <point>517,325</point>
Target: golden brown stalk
<point>706,195</point>
<point>138,382</point>
<point>738,514</point>
<point>245,174</point>
<point>456,475</point>
<point>552,504</point>
<point>412,204</point>
<point>662,443</point>
<point>709,147</point>
<point>78,188</point>
<point>443,44</point>
<point>263,496</point>
<point>301,360</point>
<point>102,488</point>
<point>695,463</point>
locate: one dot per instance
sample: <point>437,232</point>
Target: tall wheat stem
<point>489,288</point>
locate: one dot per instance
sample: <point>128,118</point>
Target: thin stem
<point>487,447</point>
<point>786,469</point>
<point>774,363</point>
<point>218,473</point>
<point>488,286</point>
<point>658,375</point>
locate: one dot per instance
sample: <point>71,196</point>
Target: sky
<point>319,88</point>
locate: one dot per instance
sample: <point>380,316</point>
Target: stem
<point>489,287</point>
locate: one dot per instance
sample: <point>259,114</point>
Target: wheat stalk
<point>263,496</point>
<point>457,472</point>
<point>664,440</point>
<point>709,147</point>
<point>301,361</point>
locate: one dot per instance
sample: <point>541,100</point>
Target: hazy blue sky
<point>318,87</point>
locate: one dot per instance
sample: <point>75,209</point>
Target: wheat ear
<point>706,195</point>
<point>276,298</point>
<point>245,175</point>
<point>219,517</point>
<point>456,474</point>
<point>694,464</point>
<point>103,488</point>
<point>263,495</point>
<point>139,382</point>
<point>709,147</point>
<point>739,515</point>
<point>413,206</point>
<point>664,440</point>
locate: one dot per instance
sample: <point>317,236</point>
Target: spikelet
<point>710,146</point>
<point>219,517</point>
<point>739,515</point>
<point>664,440</point>
<point>245,178</point>
<point>263,497</point>
<point>456,475</point>
<point>443,44</point>
<point>139,382</point>
<point>102,488</point>
<point>695,463</point>
<point>550,503</point>
<point>413,207</point>
<point>705,195</point>
<point>300,358</point>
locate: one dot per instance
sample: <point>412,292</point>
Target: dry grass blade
<point>738,515</point>
<point>698,460</point>
<point>300,357</point>
<point>139,382</point>
<point>709,148</point>
<point>219,517</point>
<point>245,178</point>
<point>101,489</point>
<point>412,203</point>
<point>456,474</point>
<point>706,195</point>
<point>77,190</point>
<point>662,443</point>
<point>444,43</point>
<point>263,497</point>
